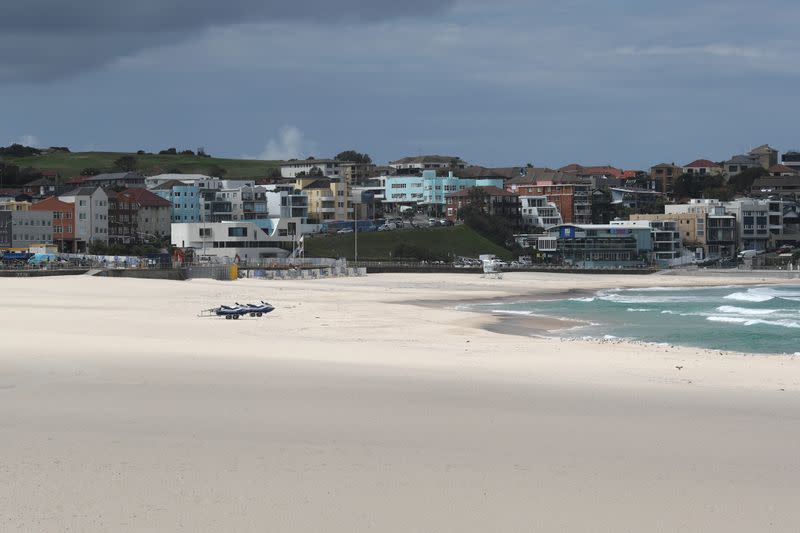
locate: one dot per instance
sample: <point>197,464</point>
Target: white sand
<point>346,410</point>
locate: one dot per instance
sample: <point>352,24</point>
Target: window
<point>237,232</point>
<point>205,232</point>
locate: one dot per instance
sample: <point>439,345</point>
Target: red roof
<point>77,180</point>
<point>52,204</point>
<point>701,163</point>
<point>607,170</point>
<point>781,169</point>
<point>145,198</point>
<point>629,174</point>
<point>604,169</point>
<point>490,190</point>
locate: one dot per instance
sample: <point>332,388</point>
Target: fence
<point>307,273</point>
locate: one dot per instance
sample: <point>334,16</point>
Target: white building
<point>666,237</point>
<point>244,240</point>
<point>200,180</point>
<point>759,221</point>
<point>538,212</point>
<point>91,214</point>
<point>330,168</point>
<point>427,162</point>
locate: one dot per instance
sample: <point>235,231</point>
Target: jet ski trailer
<point>234,312</point>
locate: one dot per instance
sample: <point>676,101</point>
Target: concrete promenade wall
<point>25,273</point>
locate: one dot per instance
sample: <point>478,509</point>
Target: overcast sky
<point>502,82</point>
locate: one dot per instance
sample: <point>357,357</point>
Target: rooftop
<point>427,159</point>
<point>489,190</point>
<point>144,197</point>
<point>115,176</point>
<point>782,169</point>
<point>491,172</point>
<point>701,163</point>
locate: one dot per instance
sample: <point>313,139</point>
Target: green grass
<point>69,165</point>
<point>376,246</point>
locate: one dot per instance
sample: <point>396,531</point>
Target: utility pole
<point>355,230</point>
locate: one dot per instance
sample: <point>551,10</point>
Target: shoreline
<point>548,327</point>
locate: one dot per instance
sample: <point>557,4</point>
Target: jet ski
<point>231,311</point>
<point>258,309</point>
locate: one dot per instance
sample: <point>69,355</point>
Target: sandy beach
<point>372,404</point>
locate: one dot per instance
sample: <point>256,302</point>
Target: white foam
<point>750,295</point>
<point>753,321</point>
<point>510,312</point>
<point>745,310</point>
<point>638,309</point>
<point>588,299</point>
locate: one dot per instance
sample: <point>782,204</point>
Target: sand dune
<point>351,409</point>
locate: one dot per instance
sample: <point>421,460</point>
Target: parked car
<point>345,230</point>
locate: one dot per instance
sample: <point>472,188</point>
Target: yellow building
<point>328,199</point>
<point>13,205</point>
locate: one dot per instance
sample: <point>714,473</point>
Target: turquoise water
<point>751,319</point>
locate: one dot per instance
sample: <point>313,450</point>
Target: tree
<point>168,151</point>
<point>354,157</point>
<point>187,152</point>
<point>274,172</point>
<point>18,150</point>
<point>126,163</point>
<point>475,214</point>
<point>743,181</point>
<point>316,172</point>
<point>90,171</point>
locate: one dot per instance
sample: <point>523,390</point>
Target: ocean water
<point>752,319</point>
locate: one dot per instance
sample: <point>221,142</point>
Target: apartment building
<point>496,202</point>
<point>759,222</point>
<point>184,198</point>
<point>29,228</point>
<point>328,199</point>
<point>63,221</point>
<point>417,164</point>
<point>598,245</point>
<point>91,215</point>
<point>429,190</point>
<point>666,238</point>
<point>539,212</point>
<point>664,176</point>
<point>702,167</point>
<point>709,226</point>
<point>571,196</point>
<point>330,168</point>
<point>5,229</point>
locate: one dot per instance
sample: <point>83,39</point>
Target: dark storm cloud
<point>46,39</point>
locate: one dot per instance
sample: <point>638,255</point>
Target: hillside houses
<point>224,216</point>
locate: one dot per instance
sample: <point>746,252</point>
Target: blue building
<point>599,245</point>
<point>429,190</point>
<point>186,200</point>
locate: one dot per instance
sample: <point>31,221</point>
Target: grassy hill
<point>68,165</point>
<point>447,241</point>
